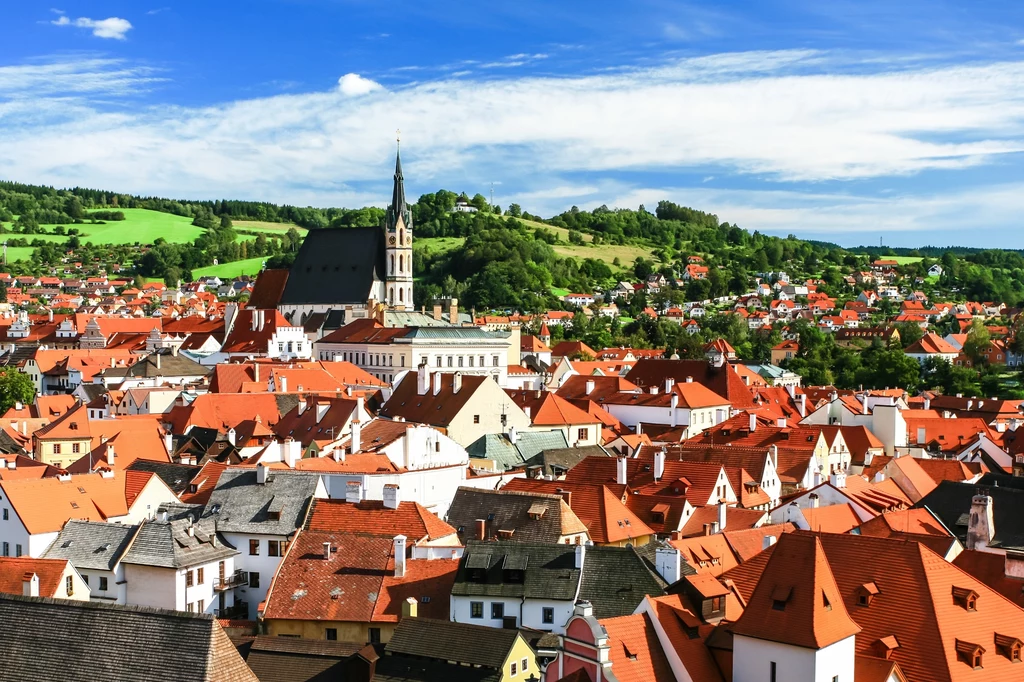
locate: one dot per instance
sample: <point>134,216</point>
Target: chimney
<point>927,403</point>
<point>157,360</point>
<point>566,496</point>
<point>357,436</point>
<point>110,454</point>
<point>781,423</point>
<point>584,609</point>
<point>922,435</point>
<point>422,379</point>
<point>753,422</point>
<point>814,500</point>
<point>162,516</point>
<point>261,473</point>
<point>864,404</point>
<point>673,406</point>
<point>30,585</point>
<point>233,436</point>
<point>669,383</point>
<point>410,607</point>
<point>620,471</point>
<point>528,411</point>
<point>169,443</point>
<point>689,380</point>
<point>453,311</point>
<point>481,529</point>
<point>981,528</point>
<point>668,564</point>
<point>353,492</point>
<point>589,386</point>
<point>391,496</point>
<point>282,385</point>
<point>513,435</point>
<point>659,464</point>
<point>399,556</point>
<point>292,452</point>
<point>436,379</point>
<point>838,480</point>
<point>437,312</point>
<point>722,509</point>
<point>802,405</point>
<point>327,551</point>
<point>580,555</point>
<point>457,382</point>
<point>302,405</point>
<point>768,541</point>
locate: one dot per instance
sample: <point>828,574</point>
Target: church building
<point>349,272</point>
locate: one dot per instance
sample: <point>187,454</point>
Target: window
<point>482,361</point>
<point>497,610</point>
<point>438,360</point>
<point>273,548</point>
<point>835,678</point>
<point>460,361</point>
<point>524,664</point>
<point>7,549</point>
<point>494,360</point>
<point>69,585</point>
<point>254,547</point>
<point>7,514</point>
<point>449,361</point>
<point>200,606</point>
<point>85,579</point>
<point>476,609</point>
<point>548,613</point>
<point>189,578</point>
<point>76,448</point>
<point>254,579</point>
<point>331,634</point>
<point>581,434</point>
<point>476,420</point>
<point>772,673</point>
<point>190,607</point>
<point>200,574</point>
<point>716,604</point>
<point>56,448</point>
<point>374,635</point>
<point>513,669</point>
<point>103,584</point>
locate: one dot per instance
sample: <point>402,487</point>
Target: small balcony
<point>240,611</point>
<point>228,582</point>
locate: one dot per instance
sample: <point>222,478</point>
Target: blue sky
<point>845,120</point>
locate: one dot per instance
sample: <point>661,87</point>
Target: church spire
<point>398,208</point>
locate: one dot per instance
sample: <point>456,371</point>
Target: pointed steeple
<point>398,206</point>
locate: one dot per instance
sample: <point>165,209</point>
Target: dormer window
<point>965,597</point>
<point>865,593</point>
<point>970,653</point>
<point>1010,647</point>
<point>780,597</point>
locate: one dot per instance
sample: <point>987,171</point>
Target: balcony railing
<point>236,579</point>
<point>240,611</point>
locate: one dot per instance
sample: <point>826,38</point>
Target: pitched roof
<point>14,569</point>
<point>437,410</point>
<point>92,545</point>
<point>176,543</point>
<point>45,634</point>
<point>951,503</point>
<point>635,650</point>
<point>336,266</point>
<point>357,583</point>
<point>930,344</point>
<point>722,380</point>
<point>991,569</point>
<point>747,543</point>
<point>617,579</point>
<point>45,505</point>
<point>549,409</point>
<point>706,553</point>
<point>528,516</point>
<point>371,517</point>
<point>797,600</point>
<point>240,504</point>
<point>269,287</point>
<point>462,643</point>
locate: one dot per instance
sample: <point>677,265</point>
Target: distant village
<point>305,476</point>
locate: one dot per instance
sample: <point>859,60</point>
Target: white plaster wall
<point>157,587</point>
<point>264,564</point>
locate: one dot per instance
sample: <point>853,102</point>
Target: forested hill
<point>510,259</point>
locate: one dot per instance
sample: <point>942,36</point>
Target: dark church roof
<point>398,206</point>
<point>336,266</point>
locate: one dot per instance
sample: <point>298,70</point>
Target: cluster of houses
<point>304,488</point>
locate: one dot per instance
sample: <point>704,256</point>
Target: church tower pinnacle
<point>398,234</point>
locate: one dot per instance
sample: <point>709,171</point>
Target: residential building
<point>516,516</point>
<point>54,578</point>
<point>95,549</point>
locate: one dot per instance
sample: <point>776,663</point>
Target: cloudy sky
<point>847,120</point>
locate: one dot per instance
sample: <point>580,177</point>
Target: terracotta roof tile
<point>371,517</point>
<point>49,571</point>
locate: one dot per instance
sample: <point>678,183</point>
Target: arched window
<point>401,262</point>
<point>401,297</point>
<point>391,297</point>
<point>392,262</point>
<point>401,237</point>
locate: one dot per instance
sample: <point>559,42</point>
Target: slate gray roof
<point>616,580</point>
<point>169,545</point>
<point>528,445</point>
<point>55,640</point>
<point>241,505</point>
<point>557,461</point>
<point>91,544</point>
<point>509,511</point>
<point>950,501</point>
<point>176,476</point>
<point>171,365</point>
<point>472,645</point>
<point>550,571</point>
<point>287,659</point>
<point>336,266</point>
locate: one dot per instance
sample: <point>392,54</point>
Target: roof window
<point>965,597</point>
<point>1008,646</point>
<point>970,653</point>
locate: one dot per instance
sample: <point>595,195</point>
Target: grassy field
<point>902,260</point>
<point>559,292</point>
<point>140,225</point>
<point>249,266</point>
<point>15,253</point>
<point>438,244</point>
<point>260,226</point>
<point>562,232</point>
<point>606,252</point>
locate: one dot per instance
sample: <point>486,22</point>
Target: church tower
<point>398,233</point>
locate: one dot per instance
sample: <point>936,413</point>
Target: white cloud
<point>113,27</point>
<point>792,116</point>
<point>352,84</point>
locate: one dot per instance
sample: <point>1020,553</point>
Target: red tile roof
<point>371,517</point>
<point>635,651</point>
<point>13,571</point>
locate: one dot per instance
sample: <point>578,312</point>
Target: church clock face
<point>392,240</point>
